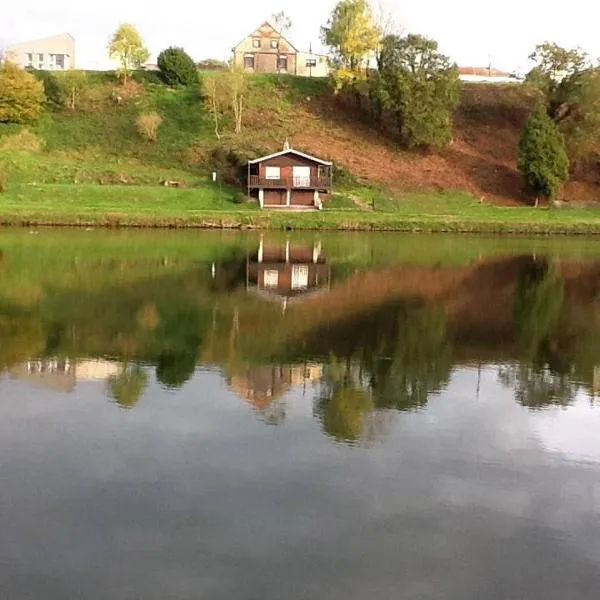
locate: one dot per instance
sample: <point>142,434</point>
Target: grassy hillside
<point>98,149</point>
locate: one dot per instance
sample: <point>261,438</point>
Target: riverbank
<point>209,207</point>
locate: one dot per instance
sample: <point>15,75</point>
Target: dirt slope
<point>481,158</point>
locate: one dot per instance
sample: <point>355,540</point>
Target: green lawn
<point>210,205</point>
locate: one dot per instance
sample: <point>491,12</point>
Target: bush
<point>177,67</point>
<point>148,124</point>
<point>22,141</point>
<point>51,85</point>
<point>21,95</point>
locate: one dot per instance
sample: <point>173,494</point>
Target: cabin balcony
<point>314,182</point>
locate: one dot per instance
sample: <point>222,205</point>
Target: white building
<point>55,53</point>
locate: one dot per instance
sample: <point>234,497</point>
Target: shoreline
<point>321,221</point>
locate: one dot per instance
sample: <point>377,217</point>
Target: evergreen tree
<point>542,158</point>
<point>177,67</point>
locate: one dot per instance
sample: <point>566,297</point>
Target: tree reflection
<point>128,386</point>
<point>22,336</point>
<point>538,303</point>
<point>178,338</point>
<point>420,362</point>
<point>543,376</point>
<point>344,403</point>
<point>536,387</point>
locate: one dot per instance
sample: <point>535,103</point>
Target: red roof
<point>482,72</point>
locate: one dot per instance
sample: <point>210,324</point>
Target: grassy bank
<point>211,206</point>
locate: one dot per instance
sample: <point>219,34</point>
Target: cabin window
<point>60,61</point>
<point>271,278</point>
<point>249,61</point>
<point>30,59</point>
<point>272,173</point>
<point>311,62</point>
<point>274,44</point>
<point>282,63</point>
<point>299,277</point>
<point>40,61</point>
<point>256,42</point>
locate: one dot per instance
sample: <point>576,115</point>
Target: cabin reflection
<point>62,374</point>
<point>288,271</point>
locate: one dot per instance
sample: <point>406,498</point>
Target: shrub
<point>542,158</point>
<point>22,141</point>
<point>148,124</point>
<point>177,67</point>
<point>51,85</point>
<point>71,85</point>
<point>21,95</point>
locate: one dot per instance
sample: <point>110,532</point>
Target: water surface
<point>198,415</point>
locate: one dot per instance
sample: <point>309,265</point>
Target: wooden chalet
<point>290,179</point>
<point>287,272</point>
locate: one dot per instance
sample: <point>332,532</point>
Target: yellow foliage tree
<point>21,95</point>
<point>353,36</point>
<point>127,47</point>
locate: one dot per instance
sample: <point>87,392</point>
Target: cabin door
<point>301,176</point>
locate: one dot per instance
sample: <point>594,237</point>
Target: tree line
<point>406,76</point>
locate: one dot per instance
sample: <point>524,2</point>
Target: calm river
<point>198,415</point>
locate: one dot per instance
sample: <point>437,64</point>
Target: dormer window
<point>256,42</point>
<point>274,44</point>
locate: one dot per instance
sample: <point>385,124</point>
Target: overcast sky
<point>470,31</point>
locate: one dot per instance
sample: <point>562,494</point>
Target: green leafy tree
<point>420,86</point>
<point>352,35</point>
<point>21,95</point>
<point>127,47</point>
<point>570,87</point>
<point>71,84</point>
<point>542,158</point>
<point>177,67</point>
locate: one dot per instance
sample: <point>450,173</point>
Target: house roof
<point>43,39</point>
<point>290,151</point>
<point>258,32</point>
<point>482,72</point>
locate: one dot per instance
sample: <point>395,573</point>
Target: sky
<point>471,32</point>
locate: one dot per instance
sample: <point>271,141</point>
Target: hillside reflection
<point>359,341</point>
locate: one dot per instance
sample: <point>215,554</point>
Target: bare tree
<point>282,24</point>
<point>236,85</point>
<point>214,99</point>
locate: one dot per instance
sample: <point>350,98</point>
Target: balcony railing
<point>288,183</point>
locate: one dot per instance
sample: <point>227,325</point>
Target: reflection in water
<point>363,340</point>
<point>365,423</point>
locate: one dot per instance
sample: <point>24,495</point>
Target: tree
<point>215,99</point>
<point>21,95</point>
<point>127,47</point>
<point>570,87</point>
<point>556,74</point>
<point>542,158</point>
<point>177,67</point>
<point>71,84</point>
<point>352,36</point>
<point>282,24</point>
<point>420,86</point>
<point>235,83</point>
